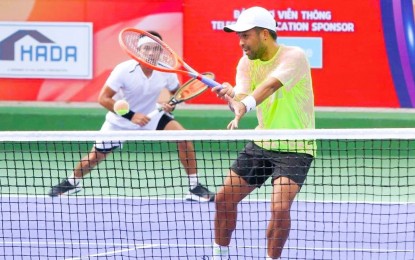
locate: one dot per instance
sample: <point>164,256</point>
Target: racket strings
<point>190,90</point>
<point>193,88</point>
<point>149,50</point>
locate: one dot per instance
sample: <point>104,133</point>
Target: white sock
<point>193,180</point>
<point>73,180</point>
<point>270,258</point>
<point>220,252</point>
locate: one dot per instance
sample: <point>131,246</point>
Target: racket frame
<point>174,101</point>
<point>180,62</point>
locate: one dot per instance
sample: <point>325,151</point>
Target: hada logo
<point>44,50</point>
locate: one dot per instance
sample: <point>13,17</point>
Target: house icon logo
<point>7,46</point>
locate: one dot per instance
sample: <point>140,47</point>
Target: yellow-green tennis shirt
<point>291,106</point>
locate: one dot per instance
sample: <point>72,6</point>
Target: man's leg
<point>89,162</point>
<point>185,149</point>
<point>72,184</point>
<point>229,195</point>
<point>284,192</point>
<point>187,156</point>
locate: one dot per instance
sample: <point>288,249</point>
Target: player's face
<point>151,51</point>
<point>251,44</point>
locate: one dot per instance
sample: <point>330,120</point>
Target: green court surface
<point>356,175</point>
<point>52,116</point>
<point>345,171</point>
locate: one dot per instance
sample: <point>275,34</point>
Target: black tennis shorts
<point>164,120</point>
<point>255,165</point>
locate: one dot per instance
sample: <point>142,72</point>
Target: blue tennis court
<point>358,202</point>
<point>79,227</point>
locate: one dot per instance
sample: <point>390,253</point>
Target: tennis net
<point>358,201</point>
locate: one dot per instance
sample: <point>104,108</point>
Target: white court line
<point>113,252</point>
<point>64,197</point>
<point>143,246</point>
<point>139,247</point>
<point>252,247</point>
<point>31,243</point>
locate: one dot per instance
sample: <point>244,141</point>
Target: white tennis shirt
<point>129,82</point>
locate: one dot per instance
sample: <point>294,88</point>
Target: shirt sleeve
<point>292,68</point>
<point>115,79</point>
<point>172,82</point>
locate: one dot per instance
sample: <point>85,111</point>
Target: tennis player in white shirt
<point>141,88</point>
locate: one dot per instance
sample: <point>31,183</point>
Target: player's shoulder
<point>292,50</point>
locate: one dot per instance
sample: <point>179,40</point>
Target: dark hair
<point>155,34</point>
<point>271,32</point>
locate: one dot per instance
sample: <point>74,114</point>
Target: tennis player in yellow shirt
<point>275,80</point>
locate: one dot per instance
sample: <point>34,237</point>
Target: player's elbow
<point>105,96</point>
<point>101,100</point>
<point>104,101</point>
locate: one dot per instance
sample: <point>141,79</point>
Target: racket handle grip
<point>154,113</point>
<point>208,81</point>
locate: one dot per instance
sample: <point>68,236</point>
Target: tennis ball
<point>121,107</point>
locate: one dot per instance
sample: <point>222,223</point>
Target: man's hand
<point>223,90</point>
<point>168,108</point>
<point>238,108</point>
<point>140,119</point>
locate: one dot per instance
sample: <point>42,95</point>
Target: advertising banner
<point>348,46</point>
<point>46,50</point>
<point>361,54</point>
<point>83,29</point>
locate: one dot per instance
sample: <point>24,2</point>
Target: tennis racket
<point>152,52</point>
<point>192,88</point>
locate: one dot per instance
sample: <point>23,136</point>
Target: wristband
<point>249,102</point>
<point>129,115</point>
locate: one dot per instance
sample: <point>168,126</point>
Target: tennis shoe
<point>64,188</point>
<point>200,194</point>
<point>219,254</point>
